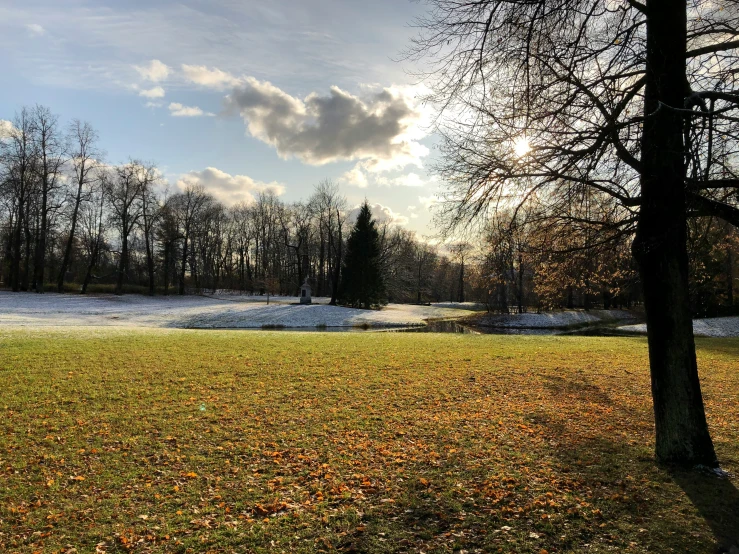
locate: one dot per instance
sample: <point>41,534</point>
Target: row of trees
<point>68,220</point>
<point>529,260</point>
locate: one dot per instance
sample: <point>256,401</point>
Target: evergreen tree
<point>362,284</point>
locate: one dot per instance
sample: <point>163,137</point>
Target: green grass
<point>226,441</point>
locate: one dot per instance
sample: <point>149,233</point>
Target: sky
<point>238,95</point>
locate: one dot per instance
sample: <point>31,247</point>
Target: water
<point>433,326</point>
<point>440,326</point>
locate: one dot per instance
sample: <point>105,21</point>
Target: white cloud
<point>407,180</point>
<point>156,92</point>
<point>381,129</point>
<point>211,78</point>
<point>178,110</point>
<point>227,188</point>
<point>153,105</point>
<point>360,176</point>
<point>35,30</point>
<point>428,201</point>
<point>355,177</point>
<point>6,128</point>
<point>380,213</point>
<point>155,71</point>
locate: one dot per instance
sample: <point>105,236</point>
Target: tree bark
<point>660,246</point>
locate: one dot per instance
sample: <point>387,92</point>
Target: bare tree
<point>328,207</point>
<point>84,158</point>
<point>146,174</point>
<point>93,222</point>
<point>188,206</point>
<point>51,157</point>
<point>123,196</point>
<point>629,100</point>
<point>19,158</point>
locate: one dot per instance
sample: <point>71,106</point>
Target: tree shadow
<point>717,500</point>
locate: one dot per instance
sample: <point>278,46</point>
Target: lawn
<point>113,440</point>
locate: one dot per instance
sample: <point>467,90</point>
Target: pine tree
<point>362,284</point>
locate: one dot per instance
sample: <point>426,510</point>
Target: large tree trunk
<point>730,280</point>
<point>660,246</point>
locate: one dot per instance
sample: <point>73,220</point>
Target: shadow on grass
<point>717,500</point>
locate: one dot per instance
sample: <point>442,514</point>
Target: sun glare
<point>521,147</point>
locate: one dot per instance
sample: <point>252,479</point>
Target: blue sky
<point>240,96</point>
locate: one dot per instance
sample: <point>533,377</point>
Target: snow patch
<point>708,327</point>
<point>553,320</point>
<point>205,312</point>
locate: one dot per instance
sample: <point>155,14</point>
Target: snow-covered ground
<point>554,320</point>
<point>205,312</point>
<point>709,327</point>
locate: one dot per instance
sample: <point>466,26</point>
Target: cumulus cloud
<point>154,71</point>
<point>211,78</point>
<point>428,201</point>
<point>6,128</point>
<point>360,177</point>
<point>227,188</point>
<point>156,92</point>
<point>178,110</point>
<point>355,177</point>
<point>381,129</point>
<point>35,30</point>
<point>407,180</point>
<point>380,213</point>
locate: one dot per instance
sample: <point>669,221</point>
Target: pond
<point>432,326</point>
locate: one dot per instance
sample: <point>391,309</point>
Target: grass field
<point>205,441</point>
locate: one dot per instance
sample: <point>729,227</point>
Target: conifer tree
<point>362,283</point>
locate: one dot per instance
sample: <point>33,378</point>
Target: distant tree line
<point>70,221</point>
<point>530,259</point>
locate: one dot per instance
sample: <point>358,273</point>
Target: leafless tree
<point>19,159</point>
<point>123,196</point>
<point>630,100</point>
<point>328,206</point>
<point>146,175</point>
<point>84,159</point>
<point>51,152</point>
